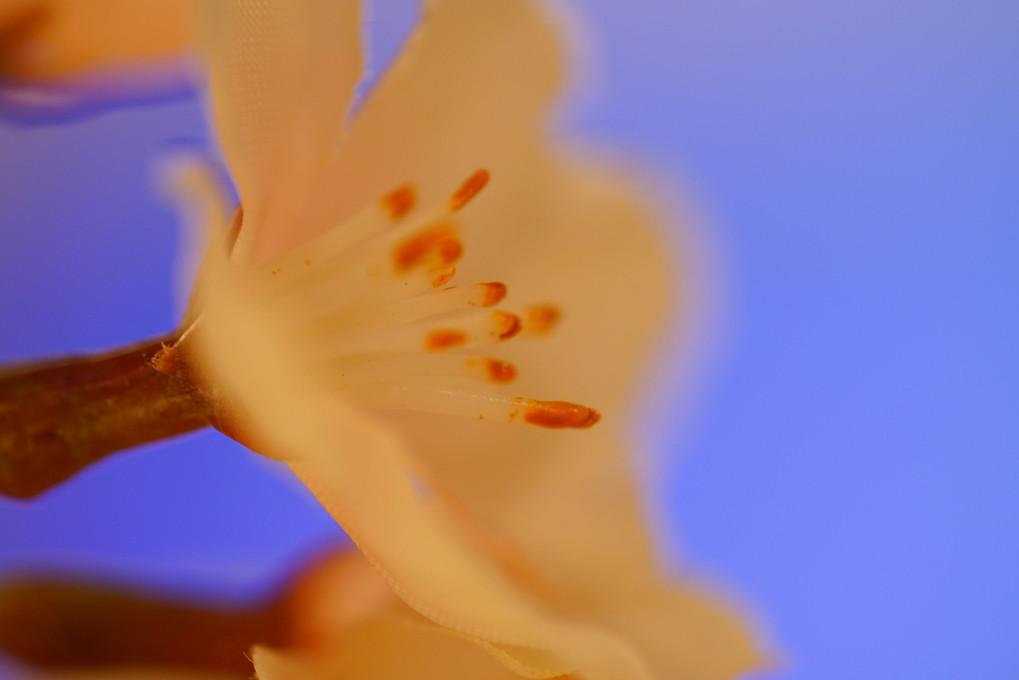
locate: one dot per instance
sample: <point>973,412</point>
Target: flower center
<point>382,326</point>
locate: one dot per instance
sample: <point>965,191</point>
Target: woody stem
<point>58,417</point>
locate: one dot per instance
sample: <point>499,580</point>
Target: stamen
<point>480,405</point>
<point>410,252</point>
<point>498,371</point>
<point>374,327</point>
<point>494,293</point>
<point>508,324</point>
<point>541,319</point>
<point>399,201</point>
<point>418,307</point>
<point>560,414</point>
<point>403,368</point>
<point>471,187</point>
<point>497,327</point>
<point>436,341</point>
<point>444,278</point>
<point>357,277</point>
<point>474,328</point>
<point>374,220</point>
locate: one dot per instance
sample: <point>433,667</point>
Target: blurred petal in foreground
<point>57,55</point>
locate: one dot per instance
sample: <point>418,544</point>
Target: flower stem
<point>58,417</point>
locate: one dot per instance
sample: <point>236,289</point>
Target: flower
<point>324,330</point>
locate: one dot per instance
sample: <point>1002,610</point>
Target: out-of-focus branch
<point>58,417</point>
<point>75,626</point>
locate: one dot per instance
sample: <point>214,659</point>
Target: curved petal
<point>56,39</point>
<point>473,82</point>
<point>471,91</point>
<point>582,239</point>
<point>364,476</point>
<point>384,649</point>
<point>282,76</point>
<point>565,503</point>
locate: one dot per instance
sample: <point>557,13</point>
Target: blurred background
<point>848,464</point>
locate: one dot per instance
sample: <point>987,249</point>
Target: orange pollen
<point>542,318</point>
<point>469,189</point>
<point>450,250</point>
<point>560,414</point>
<point>399,201</point>
<point>494,293</point>
<point>436,341</point>
<point>500,371</point>
<point>412,251</point>
<point>444,278</point>
<point>507,324</point>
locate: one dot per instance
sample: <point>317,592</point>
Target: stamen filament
<point>480,405</point>
<point>400,368</point>
<point>475,328</point>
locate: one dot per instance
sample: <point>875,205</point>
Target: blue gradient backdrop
<point>853,466</point>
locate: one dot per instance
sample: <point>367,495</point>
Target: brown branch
<point>60,416</point>
<point>71,625</point>
<point>61,622</point>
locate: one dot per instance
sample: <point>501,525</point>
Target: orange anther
<point>494,293</point>
<point>561,414</point>
<point>436,341</point>
<point>542,318</point>
<point>500,371</point>
<point>444,278</point>
<point>412,251</point>
<point>469,189</point>
<point>508,324</point>
<point>399,201</point>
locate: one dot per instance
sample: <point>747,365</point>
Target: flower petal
<point>364,476</point>
<point>387,648</point>
<point>282,77</point>
<point>469,90</point>
<point>585,240</point>
<point>565,504</point>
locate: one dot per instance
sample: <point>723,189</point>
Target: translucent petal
<point>282,77</point>
<point>363,475</point>
<point>469,90</point>
<point>526,529</point>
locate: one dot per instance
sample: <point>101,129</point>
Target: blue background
<point>850,465</point>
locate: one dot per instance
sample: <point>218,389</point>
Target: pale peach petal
<point>363,475</point>
<point>386,649</point>
<point>469,90</point>
<point>566,501</point>
<point>282,76</point>
<point>684,632</point>
<point>579,238</point>
<point>52,40</point>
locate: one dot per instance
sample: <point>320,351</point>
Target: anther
<point>399,201</point>
<point>468,190</point>
<point>494,293</point>
<point>444,277</point>
<point>450,250</point>
<point>507,324</point>
<point>413,251</point>
<point>542,319</point>
<point>439,340</point>
<point>560,414</point>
